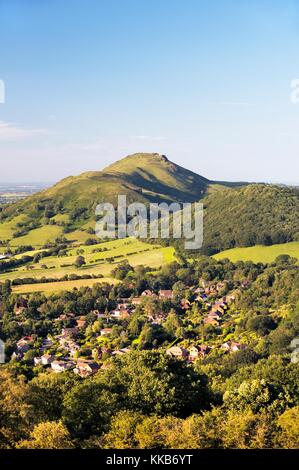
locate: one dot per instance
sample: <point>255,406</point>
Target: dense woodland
<point>253,215</point>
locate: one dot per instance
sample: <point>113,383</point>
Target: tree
<point>288,423</point>
<point>46,392</point>
<point>122,269</point>
<point>121,434</point>
<point>88,408</point>
<point>48,435</point>
<point>255,395</point>
<point>147,439</point>
<point>173,324</point>
<point>262,324</point>
<point>16,413</point>
<point>80,261</point>
<point>245,430</point>
<point>152,382</point>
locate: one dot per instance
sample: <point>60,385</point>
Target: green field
<point>97,262</point>
<point>260,254</point>
<point>48,288</point>
<point>7,228</point>
<point>38,236</point>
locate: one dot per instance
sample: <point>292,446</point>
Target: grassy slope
<point>260,254</point>
<point>8,227</point>
<point>142,177</point>
<point>49,288</point>
<point>247,216</point>
<point>135,251</point>
<point>38,237</point>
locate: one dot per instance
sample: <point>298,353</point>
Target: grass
<point>7,228</point>
<point>38,237</point>
<point>133,250</point>
<point>260,254</point>
<point>78,236</point>
<point>49,287</point>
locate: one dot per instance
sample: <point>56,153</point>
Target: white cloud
<point>146,137</point>
<point>9,131</point>
<point>244,104</point>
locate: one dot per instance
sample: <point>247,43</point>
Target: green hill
<point>67,208</point>
<point>260,254</point>
<point>236,214</point>
<point>256,214</point>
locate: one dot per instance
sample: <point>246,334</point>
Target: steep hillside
<point>257,214</point>
<point>70,204</point>
<point>253,214</point>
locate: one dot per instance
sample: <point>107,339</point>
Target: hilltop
<point>67,208</point>
<point>236,214</point>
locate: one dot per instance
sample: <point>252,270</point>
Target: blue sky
<point>205,82</point>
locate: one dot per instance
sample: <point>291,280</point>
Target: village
<point>67,350</point>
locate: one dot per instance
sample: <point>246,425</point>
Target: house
<point>237,347</point>
<point>156,318</point>
<point>120,313</point>
<point>148,293</point>
<point>97,353</point>
<point>61,366</point>
<point>211,321</point>
<point>219,307</point>
<point>245,283</point>
<point>233,346</point>
<point>69,332</point>
<point>24,344</point>
<point>106,351</point>
<point>199,290</point>
<point>47,359</point>
<point>81,322</point>
<point>101,314</point>
<point>86,368</point>
<point>73,348</point>
<point>198,351</point>
<point>215,315</point>
<point>44,360</point>
<point>194,353</point>
<point>66,316</point>
<point>37,361</point>
<point>124,313</point>
<point>124,301</point>
<point>120,351</point>
<point>46,343</point>
<point>185,304</point>
<point>20,305</point>
<point>226,345</point>
<point>166,294</point>
<point>201,298</point>
<point>117,313</point>
<point>106,331</point>
<point>177,352</point>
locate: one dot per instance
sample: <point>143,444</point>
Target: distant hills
<point>257,214</point>
<point>236,214</point>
